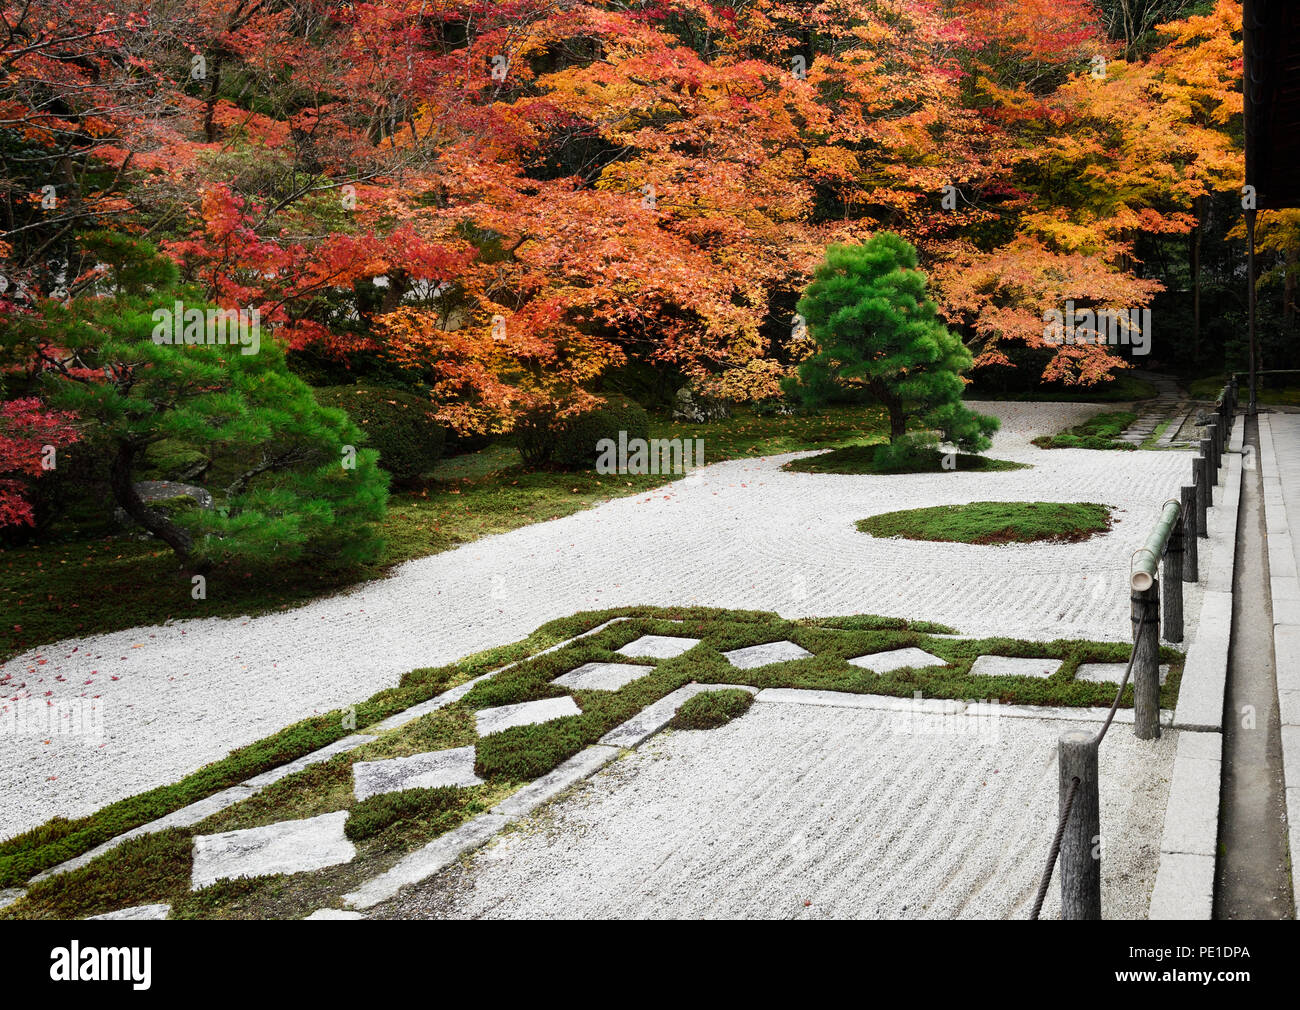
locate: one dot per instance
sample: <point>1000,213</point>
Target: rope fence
<point>1172,546</point>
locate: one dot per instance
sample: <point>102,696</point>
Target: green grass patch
<point>1275,390</point>
<point>60,839</point>
<point>711,709</point>
<point>148,870</point>
<point>993,522</point>
<point>861,459</point>
<point>1099,432</point>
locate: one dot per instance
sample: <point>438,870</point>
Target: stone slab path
<point>741,534</point>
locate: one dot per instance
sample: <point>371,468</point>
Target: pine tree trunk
<point>133,505</point>
<point>897,419</point>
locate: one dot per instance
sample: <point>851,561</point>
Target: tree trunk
<point>1199,206</point>
<point>897,419</point>
<point>133,505</point>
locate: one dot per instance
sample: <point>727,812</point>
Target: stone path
<point>742,534</point>
<point>897,659</point>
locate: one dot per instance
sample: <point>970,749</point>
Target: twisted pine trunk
<point>133,505</point>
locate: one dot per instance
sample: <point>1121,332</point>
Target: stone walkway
<point>1171,405</point>
<point>742,534</point>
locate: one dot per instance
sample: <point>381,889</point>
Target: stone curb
<point>944,706</point>
<point>1286,636</point>
<point>1184,887</point>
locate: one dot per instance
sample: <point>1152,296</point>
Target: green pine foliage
<point>878,334</point>
<point>303,484</point>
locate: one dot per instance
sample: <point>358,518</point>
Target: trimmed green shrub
<point>711,709</point>
<point>400,426</point>
<point>542,437</point>
<point>576,437</point>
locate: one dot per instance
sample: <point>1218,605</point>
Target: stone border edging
<point>1184,887</point>
<point>1284,588</point>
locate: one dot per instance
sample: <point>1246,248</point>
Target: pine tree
<point>302,483</point>
<point>879,336</point>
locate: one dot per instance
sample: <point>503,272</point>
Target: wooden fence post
<point>1171,574</point>
<point>1199,474</point>
<point>1191,569</point>
<point>1146,661</point>
<point>1076,757</point>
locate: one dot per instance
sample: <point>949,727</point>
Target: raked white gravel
<point>796,811</point>
<point>737,534</point>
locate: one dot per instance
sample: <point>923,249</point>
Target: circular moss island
<point>862,459</point>
<point>994,522</point>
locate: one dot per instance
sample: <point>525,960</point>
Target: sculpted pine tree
<point>878,336</point>
<point>303,486</point>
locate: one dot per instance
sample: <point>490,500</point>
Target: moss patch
<point>861,459</point>
<point>993,522</point>
<point>1099,432</point>
<point>710,709</point>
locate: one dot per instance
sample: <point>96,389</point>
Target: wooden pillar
<point>1076,757</point>
<point>1146,661</point>
<point>1171,574</point>
<point>1191,568</point>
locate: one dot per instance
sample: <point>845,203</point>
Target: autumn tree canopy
<point>504,202</point>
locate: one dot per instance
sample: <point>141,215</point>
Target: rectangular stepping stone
<point>603,676</point>
<point>765,654</point>
<point>144,912</point>
<point>528,713</point>
<point>453,767</point>
<point>285,847</point>
<point>1014,666</point>
<point>333,913</point>
<point>1113,673</point>
<point>9,895</point>
<point>896,659</point>
<point>658,646</point>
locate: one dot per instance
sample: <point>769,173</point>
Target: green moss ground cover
<point>993,522</point>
